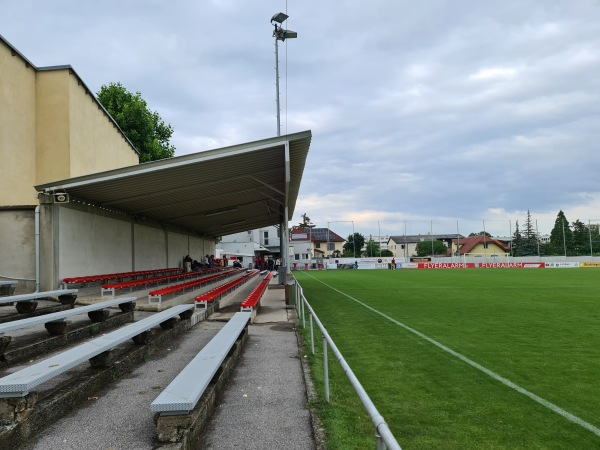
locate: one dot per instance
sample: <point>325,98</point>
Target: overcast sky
<point>422,114</point>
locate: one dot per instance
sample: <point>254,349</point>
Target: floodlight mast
<point>279,34</point>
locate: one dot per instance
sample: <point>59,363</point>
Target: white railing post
<point>325,370</point>
<point>380,444</point>
<point>312,335</point>
<point>303,313</point>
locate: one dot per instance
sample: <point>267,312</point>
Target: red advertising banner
<point>446,265</point>
<point>515,265</point>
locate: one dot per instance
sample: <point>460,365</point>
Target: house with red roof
<point>319,242</point>
<point>479,245</point>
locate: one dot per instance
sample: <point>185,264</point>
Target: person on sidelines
<point>393,265</point>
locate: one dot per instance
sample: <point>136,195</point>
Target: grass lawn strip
<point>510,384</point>
<point>536,327</point>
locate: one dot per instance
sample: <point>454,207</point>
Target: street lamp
<point>280,34</point>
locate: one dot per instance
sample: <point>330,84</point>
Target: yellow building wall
<point>95,141</point>
<point>17,130</point>
<point>492,249</point>
<point>51,128</point>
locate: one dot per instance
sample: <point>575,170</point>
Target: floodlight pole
<point>279,34</point>
<point>277,83</point>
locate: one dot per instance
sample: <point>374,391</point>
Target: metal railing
<point>384,437</point>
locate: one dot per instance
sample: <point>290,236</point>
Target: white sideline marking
<point>557,409</point>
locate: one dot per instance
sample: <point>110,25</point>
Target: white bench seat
<point>183,393</point>
<point>37,295</point>
<point>20,383</point>
<point>61,315</point>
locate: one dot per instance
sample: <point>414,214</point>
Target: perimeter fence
<point>383,436</point>
<point>578,238</point>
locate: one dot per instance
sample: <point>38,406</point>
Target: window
<point>317,245</point>
<point>331,246</point>
<point>279,233</point>
<point>297,257</point>
<point>485,245</point>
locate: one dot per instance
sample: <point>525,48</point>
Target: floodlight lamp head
<point>289,34</point>
<point>279,17</point>
<point>281,34</point>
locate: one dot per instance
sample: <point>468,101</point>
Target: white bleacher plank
<point>31,321</point>
<point>18,384</point>
<point>37,295</point>
<point>183,393</point>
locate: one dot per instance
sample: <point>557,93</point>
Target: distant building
<point>479,245</point>
<point>544,238</point>
<point>381,240</point>
<point>405,246</point>
<point>262,243</point>
<point>318,242</point>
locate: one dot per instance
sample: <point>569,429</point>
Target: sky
<point>440,116</point>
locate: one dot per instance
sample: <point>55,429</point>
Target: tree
<point>517,241</point>
<point>372,248</point>
<point>594,229</point>
<point>431,248</point>
<point>530,238</point>
<point>581,238</point>
<point>353,245</point>
<point>306,222</point>
<point>481,233</point>
<point>561,236</point>
<point>145,129</point>
<point>386,252</point>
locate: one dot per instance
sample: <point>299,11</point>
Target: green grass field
<point>537,328</point>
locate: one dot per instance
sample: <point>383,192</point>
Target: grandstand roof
<point>214,193</point>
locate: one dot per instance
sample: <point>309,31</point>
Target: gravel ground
<point>119,417</point>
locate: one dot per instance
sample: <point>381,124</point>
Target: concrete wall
<point>81,240</point>
<point>17,247</point>
<point>95,241</point>
<point>150,248</point>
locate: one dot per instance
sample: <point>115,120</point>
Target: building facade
<point>405,246</point>
<point>53,128</point>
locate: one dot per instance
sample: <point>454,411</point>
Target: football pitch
<point>461,358</point>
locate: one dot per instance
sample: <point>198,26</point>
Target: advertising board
<point>589,264</point>
<point>446,265</point>
<point>513,265</point>
<point>562,265</point>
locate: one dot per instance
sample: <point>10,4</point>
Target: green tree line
<point>566,239</point>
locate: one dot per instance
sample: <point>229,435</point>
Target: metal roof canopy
<point>214,193</point>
